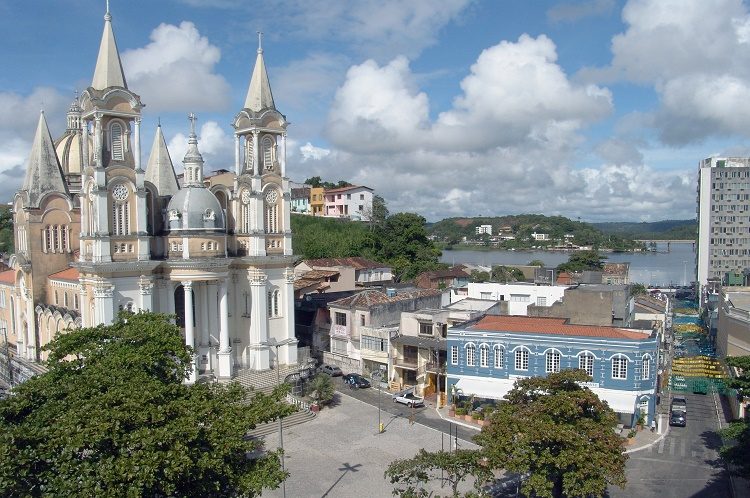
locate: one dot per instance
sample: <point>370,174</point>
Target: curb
<point>462,424</point>
<point>646,446</point>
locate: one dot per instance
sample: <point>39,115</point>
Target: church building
<point>98,231</point>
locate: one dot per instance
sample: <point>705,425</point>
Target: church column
<point>98,159</point>
<point>137,143</point>
<point>256,155</point>
<point>31,344</point>
<point>170,290</point>
<point>85,143</point>
<point>203,337</point>
<point>187,286</point>
<point>237,169</point>
<point>283,155</point>
<point>260,359</point>
<point>104,303</point>
<point>288,352</point>
<point>225,349</point>
<point>83,307</point>
<point>146,286</point>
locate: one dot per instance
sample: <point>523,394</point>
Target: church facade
<point>98,231</point>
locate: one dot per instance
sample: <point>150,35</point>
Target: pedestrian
<point>653,425</point>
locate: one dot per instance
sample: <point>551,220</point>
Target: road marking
<point>682,448</point>
<point>688,463</point>
<point>661,446</point>
<point>716,405</point>
<point>672,447</point>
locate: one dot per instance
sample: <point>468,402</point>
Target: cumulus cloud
<point>176,71</point>
<point>311,153</point>
<point>213,143</point>
<point>696,55</point>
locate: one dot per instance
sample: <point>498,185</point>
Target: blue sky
<point>598,109</point>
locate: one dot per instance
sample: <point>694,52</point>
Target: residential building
<point>653,311</point>
<point>540,236</point>
<point>723,247</point>
<point>616,273</point>
<point>364,324</point>
<point>352,272</point>
<point>353,202</point>
<point>733,325</point>
<point>98,230</point>
<point>317,201</point>
<point>453,277</point>
<point>486,356</point>
<point>300,200</point>
<point>595,304</point>
<point>483,229</point>
<point>518,295</point>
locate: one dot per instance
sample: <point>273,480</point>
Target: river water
<point>675,266</point>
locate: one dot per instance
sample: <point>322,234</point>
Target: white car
<point>409,399</point>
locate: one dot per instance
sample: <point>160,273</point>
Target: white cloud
<point>696,55</point>
<point>213,143</point>
<point>312,153</point>
<point>176,71</point>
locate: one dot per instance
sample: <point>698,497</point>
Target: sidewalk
<point>643,439</point>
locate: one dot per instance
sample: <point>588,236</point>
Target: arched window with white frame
<point>273,305</point>
<point>619,367</point>
<point>120,210</point>
<point>552,361</point>
<point>271,203</point>
<point>522,359</point>
<point>586,363</point>
<point>471,355</point>
<point>484,356</point>
<point>499,357</point>
<point>268,149</point>
<point>645,367</point>
<point>117,141</point>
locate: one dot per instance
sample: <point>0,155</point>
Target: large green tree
<point>112,417</point>
<point>557,433</point>
<point>411,474</point>
<point>402,242</point>
<point>583,260</point>
<point>736,448</point>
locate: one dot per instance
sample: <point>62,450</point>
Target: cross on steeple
<point>260,41</point>
<point>192,119</point>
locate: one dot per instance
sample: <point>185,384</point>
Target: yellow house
<point>317,196</point>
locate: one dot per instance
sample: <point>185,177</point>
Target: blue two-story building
<point>487,355</point>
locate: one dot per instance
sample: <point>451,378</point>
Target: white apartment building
<point>518,295</point>
<point>482,229</point>
<point>723,250</point>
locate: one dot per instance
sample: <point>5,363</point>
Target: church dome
<point>69,147</point>
<point>195,209</point>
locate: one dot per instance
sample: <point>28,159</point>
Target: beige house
<point>733,326</point>
<point>350,273</point>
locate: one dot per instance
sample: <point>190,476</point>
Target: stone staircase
<point>296,418</point>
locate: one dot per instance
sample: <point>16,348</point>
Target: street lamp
<point>277,344</point>
<point>7,357</point>
<point>378,376</point>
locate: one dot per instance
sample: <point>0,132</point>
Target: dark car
<point>356,381</point>
<point>678,418</point>
<point>331,370</point>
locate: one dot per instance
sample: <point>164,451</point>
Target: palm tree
<point>322,389</point>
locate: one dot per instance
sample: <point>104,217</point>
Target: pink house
<point>354,202</point>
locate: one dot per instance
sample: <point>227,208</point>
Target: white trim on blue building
<point>615,359</point>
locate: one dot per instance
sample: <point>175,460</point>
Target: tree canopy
<point>736,447</point>
<point>112,417</point>
<point>583,260</point>
<point>558,434</point>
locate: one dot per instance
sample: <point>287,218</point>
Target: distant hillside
<point>455,230</point>
<point>666,229</point>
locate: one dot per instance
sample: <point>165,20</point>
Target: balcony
<point>435,367</point>
<point>408,363</point>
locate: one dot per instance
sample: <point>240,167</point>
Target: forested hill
<point>522,226</point>
<point>667,229</point>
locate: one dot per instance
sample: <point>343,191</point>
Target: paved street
<point>340,454</point>
<point>685,463</point>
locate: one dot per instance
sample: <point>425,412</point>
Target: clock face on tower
<point>119,192</point>
<point>272,196</point>
<point>246,197</point>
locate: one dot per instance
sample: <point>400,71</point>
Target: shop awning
<point>487,389</point>
<point>619,401</point>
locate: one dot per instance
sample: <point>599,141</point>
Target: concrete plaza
<point>341,454</point>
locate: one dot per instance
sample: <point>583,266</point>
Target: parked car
<point>679,404</point>
<point>678,418</point>
<point>356,381</point>
<point>331,370</point>
<point>409,399</point>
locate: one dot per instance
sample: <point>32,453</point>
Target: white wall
<point>519,296</point>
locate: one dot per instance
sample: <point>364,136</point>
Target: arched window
<point>267,152</point>
<point>471,353</point>
<point>484,355</point>
<point>586,363</point>
<point>116,141</point>
<point>552,363</point>
<point>249,154</point>
<point>499,357</point>
<point>619,367</point>
<point>272,305</point>
<point>646,367</point>
<point>522,359</point>
<point>120,210</point>
<point>272,211</point>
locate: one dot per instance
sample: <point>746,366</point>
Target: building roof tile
<point>70,274</point>
<point>370,298</point>
<point>357,262</point>
<point>553,326</point>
